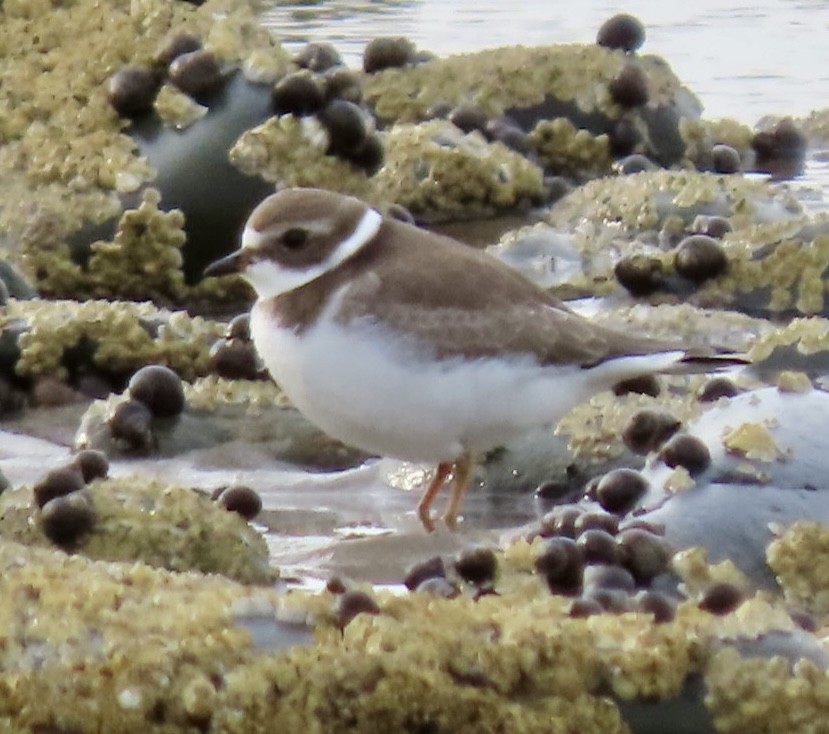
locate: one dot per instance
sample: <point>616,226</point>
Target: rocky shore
<point>182,551</point>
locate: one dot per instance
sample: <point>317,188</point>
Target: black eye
<point>294,238</point>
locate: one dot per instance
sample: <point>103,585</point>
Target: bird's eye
<point>294,238</point>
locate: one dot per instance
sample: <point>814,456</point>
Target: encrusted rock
<point>67,164</point>
<point>146,520</point>
<point>64,337</point>
<point>292,152</point>
<point>564,149</point>
<point>437,172</point>
<point>798,557</point>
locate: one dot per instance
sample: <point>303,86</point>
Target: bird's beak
<point>235,262</point>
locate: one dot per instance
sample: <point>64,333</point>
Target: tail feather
<point>701,360</point>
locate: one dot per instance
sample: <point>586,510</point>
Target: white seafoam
<point>378,390</point>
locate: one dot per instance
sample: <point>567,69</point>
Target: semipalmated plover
<point>408,344</point>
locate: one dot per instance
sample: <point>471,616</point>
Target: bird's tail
<point>707,360</point>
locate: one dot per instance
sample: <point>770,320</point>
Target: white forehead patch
<point>270,279</point>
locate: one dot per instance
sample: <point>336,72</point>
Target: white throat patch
<point>270,279</point>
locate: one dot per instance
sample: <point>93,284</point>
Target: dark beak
<point>233,263</point>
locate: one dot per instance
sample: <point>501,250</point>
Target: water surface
<point>744,60</point>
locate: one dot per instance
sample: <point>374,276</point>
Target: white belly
<point>368,389</point>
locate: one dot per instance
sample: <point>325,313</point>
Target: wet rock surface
<point>180,550</point>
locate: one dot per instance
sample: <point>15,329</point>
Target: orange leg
<point>460,483</point>
<point>429,495</point>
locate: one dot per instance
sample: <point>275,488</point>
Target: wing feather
<point>464,302</point>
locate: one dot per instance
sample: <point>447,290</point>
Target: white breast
<point>367,387</point>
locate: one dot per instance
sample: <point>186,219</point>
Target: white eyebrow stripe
<point>271,280</point>
<point>315,226</point>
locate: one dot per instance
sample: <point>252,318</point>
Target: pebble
<point>721,598</point>
<point>662,607</point>
<point>235,359</point>
<point>298,94</point>
<point>177,44</point>
<point>648,429</point>
<point>416,574</point>
<point>635,163</point>
<point>318,57</point>
<point>716,388</point>
<point>132,90</point>
<point>476,566</point>
<point>369,156</point>
<point>554,490</point>
<point>561,563</point>
<point>242,500</point>
<point>780,150</point>
<point>342,83</point>
<point>629,87</point>
<point>58,483</point>
<point>438,586</point>
<point>699,258</point>
<point>351,603</point>
<point>197,73</point>
<point>239,327</point>
<point>725,159</point>
<point>131,423</point>
<point>468,117</point>
<point>615,601</point>
<point>640,274</point>
<point>596,521</point>
<point>621,31</point>
<point>159,388</point>
<point>346,125</point>
<point>686,451</point>
<point>642,553</point>
<point>584,607</point>
<point>624,137</point>
<point>619,489</point>
<point>93,464</point>
<point>605,576</point>
<point>598,547</point>
<point>513,138</point>
<point>66,519</point>
<point>388,52</point>
<point>713,226</point>
<point>561,521</point>
<point>639,385</point>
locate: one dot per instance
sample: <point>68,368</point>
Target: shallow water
<point>744,60</point>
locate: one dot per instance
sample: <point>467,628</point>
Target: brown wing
<point>467,303</point>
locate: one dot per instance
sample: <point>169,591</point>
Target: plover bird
<point>408,344</point>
